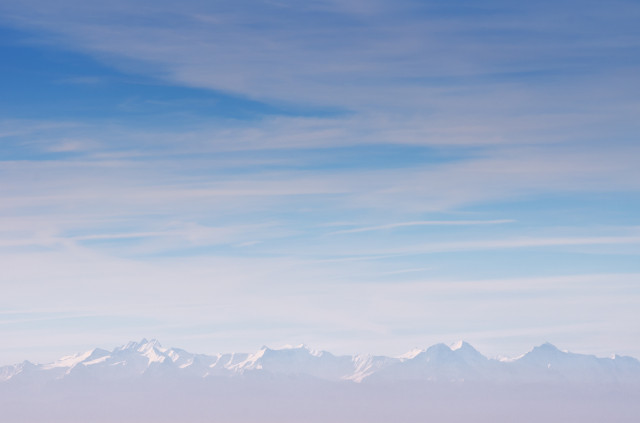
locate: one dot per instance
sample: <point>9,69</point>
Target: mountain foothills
<point>440,363</point>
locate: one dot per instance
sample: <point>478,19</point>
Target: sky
<point>358,176</point>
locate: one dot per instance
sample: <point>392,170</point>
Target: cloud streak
<point>423,223</point>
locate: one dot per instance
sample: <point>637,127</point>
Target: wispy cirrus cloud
<point>514,243</point>
<point>353,62</point>
<point>423,223</point>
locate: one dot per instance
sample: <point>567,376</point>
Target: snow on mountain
<point>298,360</point>
<point>9,372</point>
<point>548,363</point>
<point>438,363</point>
<point>367,365</point>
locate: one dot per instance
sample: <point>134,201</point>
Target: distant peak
<point>153,342</point>
<point>546,349</point>
<point>142,345</point>
<point>463,346</point>
<point>548,346</point>
<point>439,348</point>
<point>131,345</point>
<point>412,353</point>
<point>456,345</point>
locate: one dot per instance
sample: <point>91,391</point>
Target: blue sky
<point>357,176</point>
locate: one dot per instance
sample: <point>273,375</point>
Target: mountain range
<point>440,363</point>
<point>144,382</point>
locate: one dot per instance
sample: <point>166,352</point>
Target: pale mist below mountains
<point>144,382</point>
